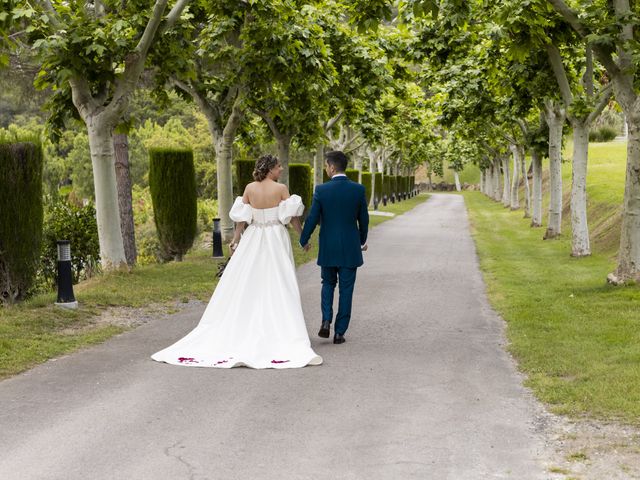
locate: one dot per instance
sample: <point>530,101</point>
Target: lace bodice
<point>282,214</point>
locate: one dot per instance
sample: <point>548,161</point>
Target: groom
<point>340,207</point>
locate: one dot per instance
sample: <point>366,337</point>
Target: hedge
<point>21,215</point>
<point>353,174</point>
<point>244,174</point>
<point>301,182</point>
<point>378,189</point>
<point>386,186</point>
<point>366,181</point>
<point>172,182</point>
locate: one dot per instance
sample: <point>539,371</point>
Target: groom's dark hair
<point>338,159</point>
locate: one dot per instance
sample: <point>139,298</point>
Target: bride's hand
<point>232,247</point>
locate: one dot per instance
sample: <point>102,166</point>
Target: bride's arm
<point>297,225</point>
<point>240,226</point>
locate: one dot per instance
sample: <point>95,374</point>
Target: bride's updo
<point>263,166</point>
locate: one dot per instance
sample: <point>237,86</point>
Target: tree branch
<point>603,100</point>
<point>555,59</point>
<point>329,125</point>
<point>572,19</point>
<point>174,15</point>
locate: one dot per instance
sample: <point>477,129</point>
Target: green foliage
<point>366,181</point>
<point>378,185</point>
<point>67,221</point>
<point>172,181</point>
<point>21,214</point>
<point>395,184</point>
<point>300,182</point>
<point>325,177</point>
<point>353,174</point>
<point>244,174</point>
<point>386,185</point>
<point>602,134</point>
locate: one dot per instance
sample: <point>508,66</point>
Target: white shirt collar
<point>339,175</point>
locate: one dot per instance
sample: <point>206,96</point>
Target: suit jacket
<point>340,207</point>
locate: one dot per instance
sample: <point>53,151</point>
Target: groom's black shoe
<point>338,339</point>
<point>325,330</point>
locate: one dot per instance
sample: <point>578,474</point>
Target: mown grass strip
<point>575,337</point>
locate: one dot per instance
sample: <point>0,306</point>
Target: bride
<point>254,317</point>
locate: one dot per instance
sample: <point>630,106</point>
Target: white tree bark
<point>580,246</point>
<point>515,179</point>
<point>525,180</point>
<point>495,167</point>
<point>482,179</point>
<point>107,211</point>
<point>555,117</point>
<point>536,161</point>
<point>506,182</point>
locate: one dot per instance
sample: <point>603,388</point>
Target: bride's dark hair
<point>263,166</point>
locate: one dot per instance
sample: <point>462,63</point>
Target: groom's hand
<point>364,247</point>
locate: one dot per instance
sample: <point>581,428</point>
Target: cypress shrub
<point>378,183</point>
<point>366,181</point>
<point>386,185</point>
<point>301,182</point>
<point>412,182</point>
<point>172,181</point>
<point>353,174</point>
<point>244,174</point>
<point>394,184</point>
<point>21,216</point>
<point>405,185</point>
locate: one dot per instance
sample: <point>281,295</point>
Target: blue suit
<point>340,207</point>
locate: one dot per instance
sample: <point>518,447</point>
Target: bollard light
<point>217,239</point>
<point>66,299</point>
<point>384,200</point>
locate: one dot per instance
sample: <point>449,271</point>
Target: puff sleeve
<point>289,208</point>
<point>241,212</point>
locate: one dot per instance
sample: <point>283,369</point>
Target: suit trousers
<point>345,277</point>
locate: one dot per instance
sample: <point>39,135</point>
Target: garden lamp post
<point>66,299</point>
<point>217,239</point>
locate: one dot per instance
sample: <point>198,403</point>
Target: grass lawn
<point>35,331</point>
<point>575,337</point>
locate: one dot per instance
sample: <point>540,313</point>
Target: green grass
<point>576,338</point>
<point>35,331</point>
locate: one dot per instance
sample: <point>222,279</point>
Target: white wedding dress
<point>254,317</point>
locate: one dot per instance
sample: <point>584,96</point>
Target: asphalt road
<point>422,389</point>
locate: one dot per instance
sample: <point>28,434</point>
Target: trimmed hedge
<point>21,216</point>
<point>353,174</point>
<point>172,181</point>
<point>386,186</point>
<point>394,184</point>
<point>244,174</point>
<point>301,182</point>
<point>366,181</point>
<point>378,183</point>
<point>412,182</point>
<point>602,134</point>
<point>325,177</point>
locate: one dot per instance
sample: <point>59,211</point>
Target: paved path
<point>422,389</point>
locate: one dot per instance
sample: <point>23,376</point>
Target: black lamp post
<point>217,239</point>
<point>66,298</point>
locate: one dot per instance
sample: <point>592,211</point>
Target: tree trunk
<point>496,194</point>
<point>482,177</point>
<point>358,163</point>
<point>525,180</point>
<point>372,169</point>
<point>284,144</point>
<point>536,161</point>
<point>555,119</point>
<point>112,255</point>
<point>457,179</point>
<point>515,179</point>
<point>123,180</point>
<point>579,227</point>
<point>629,253</point>
<point>318,165</point>
<point>506,182</point>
